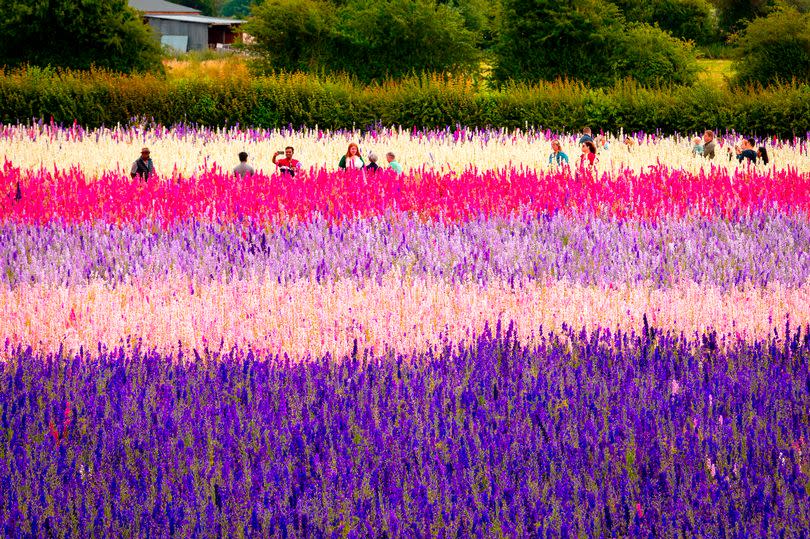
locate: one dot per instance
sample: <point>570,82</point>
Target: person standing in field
<point>243,169</point>
<point>287,165</point>
<point>392,162</point>
<point>588,157</point>
<point>557,157</point>
<point>372,163</point>
<point>352,160</point>
<point>746,151</point>
<point>586,135</point>
<point>709,144</point>
<point>143,166</point>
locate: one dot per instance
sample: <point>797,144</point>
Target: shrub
<point>685,19</point>
<point>291,35</point>
<point>392,38</point>
<point>774,48</point>
<point>102,98</point>
<point>652,56</point>
<point>368,39</point>
<point>544,40</point>
<point>65,33</point>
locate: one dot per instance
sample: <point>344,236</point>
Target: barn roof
<point>161,7</point>
<point>200,19</point>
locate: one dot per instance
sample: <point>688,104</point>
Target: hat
<point>144,150</point>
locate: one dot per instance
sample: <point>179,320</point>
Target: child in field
<point>697,146</point>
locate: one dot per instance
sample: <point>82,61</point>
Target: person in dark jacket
<point>708,144</point>
<point>143,166</point>
<point>746,151</point>
<point>586,136</point>
<point>372,163</point>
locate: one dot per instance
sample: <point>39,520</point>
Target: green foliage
<point>237,8</point>
<point>685,19</point>
<point>368,39</point>
<point>586,40</point>
<point>206,7</point>
<point>98,97</point>
<point>775,48</point>
<point>391,38</point>
<point>546,40</point>
<point>733,15</point>
<point>291,35</point>
<point>67,33</point>
<point>652,56</point>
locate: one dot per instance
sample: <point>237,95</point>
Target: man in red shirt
<point>287,165</point>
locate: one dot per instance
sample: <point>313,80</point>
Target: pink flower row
<point>71,196</point>
<point>396,313</point>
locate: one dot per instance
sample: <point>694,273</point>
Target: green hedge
<point>101,98</point>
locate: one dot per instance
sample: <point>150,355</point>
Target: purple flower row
<point>614,435</point>
<point>753,250</point>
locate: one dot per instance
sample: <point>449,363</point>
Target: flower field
<point>482,346</point>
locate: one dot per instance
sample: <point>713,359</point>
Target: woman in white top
<point>352,159</point>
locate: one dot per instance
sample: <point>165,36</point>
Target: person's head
<point>586,130</point>
<point>629,141</point>
<point>696,141</point>
<point>390,156</point>
<point>555,146</point>
<point>708,135</point>
<point>372,157</point>
<point>762,153</point>
<point>601,140</point>
<point>751,143</point>
<point>588,147</point>
<point>145,153</point>
<point>243,157</point>
<point>352,150</point>
<point>289,151</point>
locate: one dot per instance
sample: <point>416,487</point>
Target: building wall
<point>197,33</point>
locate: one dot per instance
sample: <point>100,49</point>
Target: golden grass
<point>227,67</point>
<point>716,71</point>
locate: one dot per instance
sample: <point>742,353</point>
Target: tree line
<point>594,41</point>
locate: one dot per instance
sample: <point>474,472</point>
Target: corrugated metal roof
<point>201,19</point>
<point>161,6</point>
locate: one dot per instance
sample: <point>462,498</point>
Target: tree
<point>589,41</point>
<point>291,35</point>
<point>369,39</point>
<point>774,48</point>
<point>651,56</point>
<point>237,8</point>
<point>377,39</point>
<point>78,35</point>
<point>206,7</point>
<point>733,15</point>
<point>546,40</point>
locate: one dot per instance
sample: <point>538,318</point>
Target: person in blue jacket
<point>557,156</point>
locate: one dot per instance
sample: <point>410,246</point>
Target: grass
<point>716,71</point>
<point>219,67</point>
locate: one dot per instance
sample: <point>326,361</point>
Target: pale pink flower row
<point>397,313</point>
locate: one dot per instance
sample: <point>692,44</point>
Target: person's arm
<point>564,157</point>
<point>134,170</point>
<point>275,155</point>
<point>342,163</point>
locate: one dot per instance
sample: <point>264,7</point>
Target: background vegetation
<point>343,63</point>
<point>102,98</point>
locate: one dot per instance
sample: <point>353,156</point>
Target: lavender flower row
<point>753,250</point>
<point>614,435</point>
